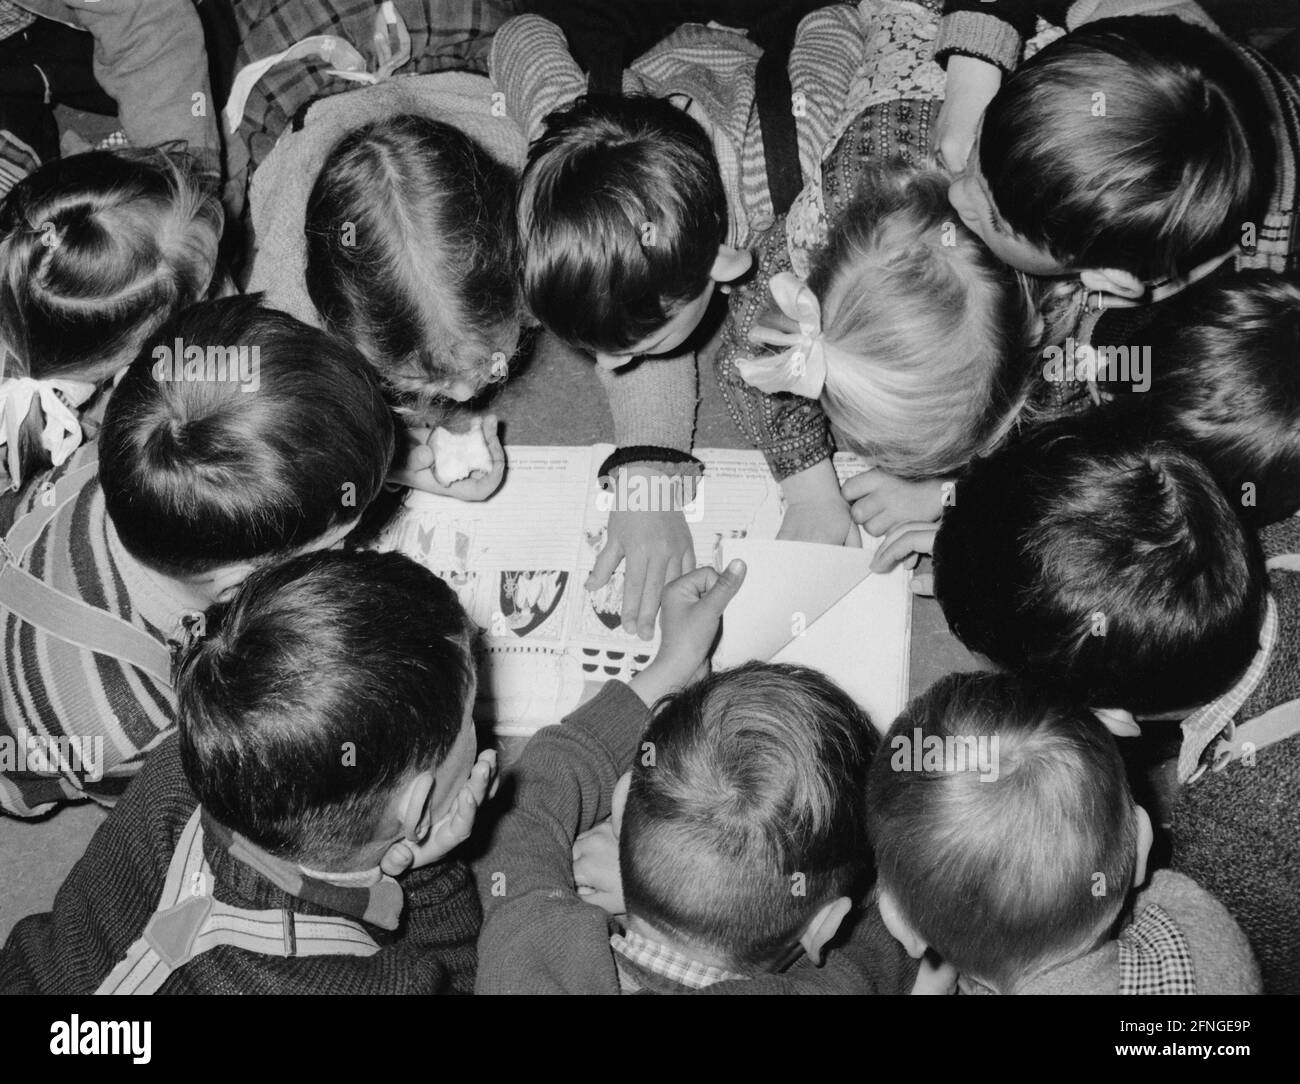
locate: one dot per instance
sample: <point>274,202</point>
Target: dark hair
<point>747,810</point>
<point>411,254</point>
<point>200,470</point>
<point>1226,387</point>
<point>999,872</point>
<point>1105,563</point>
<point>315,656</point>
<point>96,250</point>
<point>621,213</point>
<point>1137,143</point>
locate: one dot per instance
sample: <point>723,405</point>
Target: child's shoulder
<point>1181,935</point>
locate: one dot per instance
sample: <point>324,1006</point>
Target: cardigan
<point>111,893</point>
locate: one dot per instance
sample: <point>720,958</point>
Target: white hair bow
<point>61,433</point>
<point>801,368</point>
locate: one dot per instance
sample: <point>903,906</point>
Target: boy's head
<point>240,435</point>
<point>743,833</point>
<point>1132,149</point>
<point>622,219</point>
<point>1008,873</point>
<point>1106,564</point>
<point>1226,387</point>
<point>327,715</point>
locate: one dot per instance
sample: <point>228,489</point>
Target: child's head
<point>96,250</point>
<point>622,219</point>
<point>1138,145</point>
<point>928,333</point>
<point>1226,387</point>
<point>743,833</point>
<point>319,657</point>
<point>240,435</point>
<point>1104,563</point>
<point>1004,873</point>
<point>411,256</point>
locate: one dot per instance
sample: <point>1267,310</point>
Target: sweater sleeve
<point>151,58</point>
<point>538,935</point>
<point>531,65</point>
<point>993,30</point>
<point>790,431</point>
<point>827,53</point>
<point>110,894</point>
<point>654,402</point>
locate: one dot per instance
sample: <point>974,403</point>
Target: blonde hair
<point>938,327</point>
<point>97,250</point>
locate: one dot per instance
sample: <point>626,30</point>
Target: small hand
<point>828,522</point>
<point>882,501</point>
<point>970,85</point>
<point>595,868</point>
<point>453,828</point>
<point>905,545</point>
<point>479,486</point>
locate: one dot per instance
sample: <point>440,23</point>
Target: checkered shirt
<point>640,960</point>
<point>1154,957</point>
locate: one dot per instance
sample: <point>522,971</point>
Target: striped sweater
<point>51,689</point>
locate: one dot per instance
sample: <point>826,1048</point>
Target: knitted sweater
<point>1237,831</point>
<point>1180,940</point>
<point>712,73</point>
<point>112,891</point>
<point>539,936</point>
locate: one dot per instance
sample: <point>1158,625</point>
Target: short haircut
<point>1225,363</point>
<point>412,257</point>
<point>1003,876</point>
<point>96,250</point>
<point>1137,143</point>
<point>1104,563</point>
<point>621,213</point>
<point>937,326</point>
<point>746,810</point>
<point>202,472</point>
<point>317,656</point>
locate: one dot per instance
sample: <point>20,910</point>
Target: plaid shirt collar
<point>1201,727</point>
<point>653,966</point>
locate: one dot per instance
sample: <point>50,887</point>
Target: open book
<point>518,563</point>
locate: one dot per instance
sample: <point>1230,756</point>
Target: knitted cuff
<point>985,37</point>
<point>672,460</point>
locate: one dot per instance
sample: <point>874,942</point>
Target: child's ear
<point>731,263</point>
<point>227,580</point>
<point>896,924</point>
<point>1110,280</point>
<point>1146,837</point>
<point>619,802</point>
<point>415,806</point>
<point>824,926</point>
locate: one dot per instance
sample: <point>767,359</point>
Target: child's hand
<point>657,547</point>
<point>479,486</point>
<point>453,828</point>
<point>815,511</point>
<point>692,612</point>
<point>935,978</point>
<point>905,545</point>
<point>970,86</point>
<point>595,868</point>
<point>882,501</point>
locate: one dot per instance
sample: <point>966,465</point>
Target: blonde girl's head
<point>931,333</point>
<point>97,250</point>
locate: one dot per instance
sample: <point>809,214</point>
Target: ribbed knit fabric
<point>51,688</point>
<point>282,184</point>
<point>540,937</point>
<point>113,890</point>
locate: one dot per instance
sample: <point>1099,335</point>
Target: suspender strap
<point>61,615</point>
<point>190,921</point>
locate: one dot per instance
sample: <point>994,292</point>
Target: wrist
<point>663,677</point>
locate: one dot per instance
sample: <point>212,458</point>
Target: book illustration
<point>603,663</point>
<point>528,598</point>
